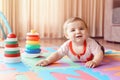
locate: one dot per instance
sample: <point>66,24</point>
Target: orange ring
<point>32,38</point>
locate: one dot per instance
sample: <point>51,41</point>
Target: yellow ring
<point>32,42</point>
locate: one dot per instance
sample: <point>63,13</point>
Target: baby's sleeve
<point>95,47</point>
<point>63,50</point>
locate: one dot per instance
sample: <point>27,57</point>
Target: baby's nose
<point>78,31</point>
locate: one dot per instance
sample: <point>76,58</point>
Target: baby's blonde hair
<point>70,20</point>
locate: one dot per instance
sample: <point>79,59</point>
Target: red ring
<point>12,55</point>
<point>11,45</point>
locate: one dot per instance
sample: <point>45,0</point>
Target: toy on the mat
<point>11,50</point>
<point>32,47</point>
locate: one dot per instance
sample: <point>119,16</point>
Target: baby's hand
<point>91,64</point>
<point>42,63</point>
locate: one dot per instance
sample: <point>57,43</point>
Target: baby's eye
<point>81,29</point>
<point>72,30</point>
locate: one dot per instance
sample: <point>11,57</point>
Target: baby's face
<point>76,31</point>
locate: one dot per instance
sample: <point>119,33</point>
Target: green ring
<point>12,52</point>
<point>11,42</point>
<point>30,46</point>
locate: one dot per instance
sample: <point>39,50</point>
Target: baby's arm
<point>96,60</point>
<point>51,59</point>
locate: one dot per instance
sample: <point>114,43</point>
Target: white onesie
<point>91,48</point>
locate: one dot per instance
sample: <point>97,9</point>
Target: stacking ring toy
<point>12,52</point>
<point>11,35</point>
<point>12,55</point>
<point>31,32</point>
<point>12,59</point>
<point>11,45</point>
<point>33,38</point>
<point>30,46</point>
<point>30,55</point>
<point>11,39</point>
<point>11,42</point>
<point>34,51</point>
<point>32,42</point>
<point>11,49</point>
<point>33,35</point>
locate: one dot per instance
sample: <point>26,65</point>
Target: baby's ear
<point>66,35</point>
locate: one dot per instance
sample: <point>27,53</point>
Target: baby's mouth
<point>78,36</point>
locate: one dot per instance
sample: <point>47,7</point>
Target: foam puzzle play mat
<point>63,69</point>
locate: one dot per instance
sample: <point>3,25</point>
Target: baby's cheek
<point>86,35</point>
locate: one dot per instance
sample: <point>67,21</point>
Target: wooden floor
<point>58,42</point>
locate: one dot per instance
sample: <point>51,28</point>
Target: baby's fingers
<point>42,63</point>
<point>39,63</point>
<point>90,64</point>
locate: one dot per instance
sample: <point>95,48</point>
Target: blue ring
<point>34,51</point>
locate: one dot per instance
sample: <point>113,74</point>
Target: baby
<point>79,46</point>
